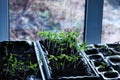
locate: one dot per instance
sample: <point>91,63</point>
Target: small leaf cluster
<point>13,65</point>
<point>118,47</point>
<point>103,47</point>
<point>71,58</point>
<point>64,61</point>
<point>103,65</point>
<point>110,52</point>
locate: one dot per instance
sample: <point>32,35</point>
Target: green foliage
<point>64,48</point>
<point>83,47</point>
<point>103,65</point>
<point>14,65</point>
<point>110,52</point>
<point>29,55</point>
<point>118,48</point>
<point>32,66</point>
<point>52,57</point>
<point>8,43</point>
<point>63,57</point>
<point>71,58</point>
<point>103,47</point>
<point>63,39</point>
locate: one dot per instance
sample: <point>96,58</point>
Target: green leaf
<point>83,46</point>
<point>52,57</point>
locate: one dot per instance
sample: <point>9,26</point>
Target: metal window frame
<point>92,23</point>
<point>4,34</point>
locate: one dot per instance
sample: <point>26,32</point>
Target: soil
<point>97,63</point>
<point>81,70</point>
<point>104,69</point>
<point>115,60</point>
<point>111,74</point>
<point>95,57</point>
<point>112,45</point>
<point>92,51</point>
<point>99,46</point>
<point>107,52</point>
<point>116,47</point>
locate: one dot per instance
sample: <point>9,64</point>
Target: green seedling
<point>52,57</point>
<point>118,47</point>
<point>62,39</point>
<point>103,47</point>
<point>103,65</point>
<point>83,47</point>
<point>64,48</point>
<point>61,59</point>
<point>110,52</point>
<point>13,66</point>
<point>32,66</point>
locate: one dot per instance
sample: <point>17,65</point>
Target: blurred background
<point>27,17</point>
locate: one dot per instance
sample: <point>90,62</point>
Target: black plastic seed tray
<point>101,58</point>
<point>48,69</point>
<point>18,61</point>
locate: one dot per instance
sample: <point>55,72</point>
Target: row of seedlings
<point>62,58</point>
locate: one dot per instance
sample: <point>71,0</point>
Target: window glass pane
<point>27,17</point>
<point>111,21</point>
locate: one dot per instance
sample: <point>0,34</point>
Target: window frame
<point>4,33</point>
<point>92,21</point>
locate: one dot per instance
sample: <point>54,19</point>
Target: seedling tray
<point>48,71</point>
<point>98,56</point>
<point>17,60</point>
